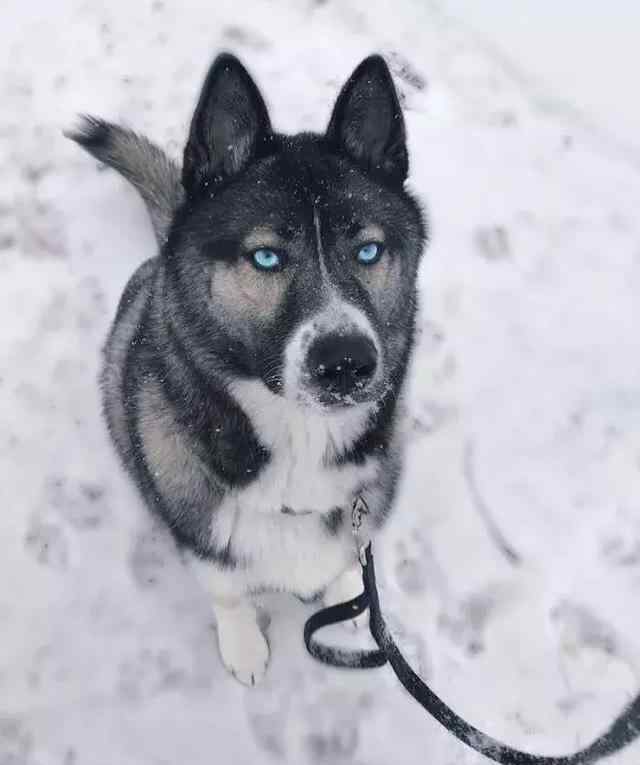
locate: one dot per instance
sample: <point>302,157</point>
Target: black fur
<point>367,123</point>
<point>230,126</point>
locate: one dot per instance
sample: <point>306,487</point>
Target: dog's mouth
<point>335,401</point>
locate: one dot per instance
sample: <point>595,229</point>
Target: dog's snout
<point>342,364</point>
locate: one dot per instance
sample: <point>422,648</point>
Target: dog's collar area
<point>624,729</point>
<point>359,510</point>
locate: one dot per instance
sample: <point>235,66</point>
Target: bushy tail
<point>142,163</point>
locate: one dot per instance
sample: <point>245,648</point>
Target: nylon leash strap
<point>622,731</point>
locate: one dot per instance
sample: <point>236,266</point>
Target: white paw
<point>243,648</point>
<point>346,587</point>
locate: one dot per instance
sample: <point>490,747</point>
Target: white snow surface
<point>525,402</point>
<point>581,55</point>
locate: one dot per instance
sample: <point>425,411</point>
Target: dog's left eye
<point>267,260</point>
<point>370,253</point>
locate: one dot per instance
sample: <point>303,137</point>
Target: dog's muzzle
<point>342,364</point>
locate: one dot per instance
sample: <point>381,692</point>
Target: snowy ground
<point>577,55</point>
<point>526,401</point>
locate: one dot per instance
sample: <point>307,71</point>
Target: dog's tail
<point>155,176</point>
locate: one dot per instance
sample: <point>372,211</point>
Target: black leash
<point>622,732</point>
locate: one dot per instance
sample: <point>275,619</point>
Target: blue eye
<point>369,253</point>
<point>266,259</point>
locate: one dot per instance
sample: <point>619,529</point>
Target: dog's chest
<point>281,520</point>
<point>279,523</point>
<point>301,475</point>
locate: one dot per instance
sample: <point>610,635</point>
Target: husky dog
<point>254,373</point>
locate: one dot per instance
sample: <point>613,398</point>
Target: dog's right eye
<point>370,253</point>
<point>266,259</point>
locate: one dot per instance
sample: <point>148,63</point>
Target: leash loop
<point>624,729</point>
<point>338,657</point>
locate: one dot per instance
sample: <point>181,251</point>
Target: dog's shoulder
<point>140,280</point>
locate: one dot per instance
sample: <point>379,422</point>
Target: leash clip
<point>359,509</point>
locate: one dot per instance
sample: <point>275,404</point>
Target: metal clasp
<point>358,510</point>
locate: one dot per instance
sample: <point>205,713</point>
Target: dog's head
<point>294,258</point>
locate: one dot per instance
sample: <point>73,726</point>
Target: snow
<point>525,404</point>
<point>579,54</point>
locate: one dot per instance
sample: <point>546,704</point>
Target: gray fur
<point>145,165</point>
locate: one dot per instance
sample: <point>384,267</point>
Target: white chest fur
<point>302,443</point>
<point>294,551</point>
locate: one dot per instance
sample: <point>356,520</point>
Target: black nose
<point>342,363</point>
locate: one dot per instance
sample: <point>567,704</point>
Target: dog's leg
<point>243,648</point>
<point>347,586</point>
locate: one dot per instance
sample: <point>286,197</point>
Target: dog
<point>254,375</point>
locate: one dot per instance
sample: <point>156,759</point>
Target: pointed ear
<point>367,123</point>
<point>230,126</point>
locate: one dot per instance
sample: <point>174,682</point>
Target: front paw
<point>346,587</point>
<point>243,648</point>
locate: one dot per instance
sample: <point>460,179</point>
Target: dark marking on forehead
<point>289,230</point>
<point>353,229</point>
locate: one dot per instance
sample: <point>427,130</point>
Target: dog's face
<point>294,259</point>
